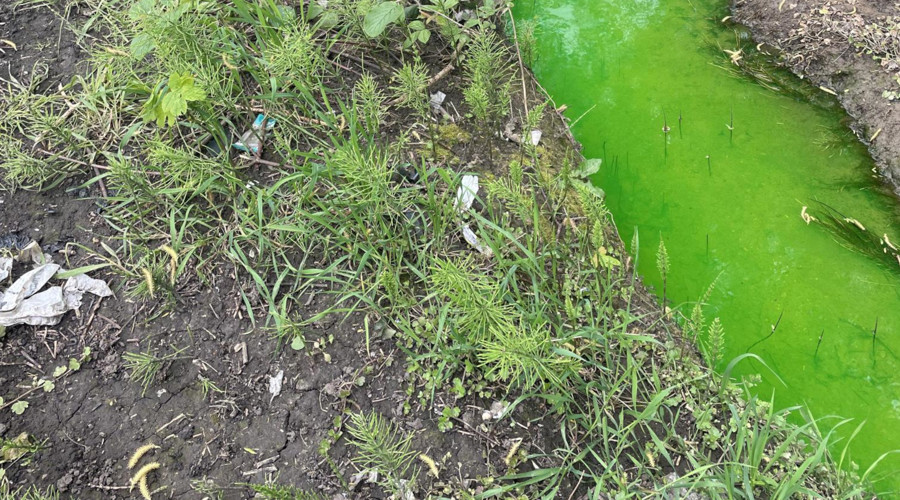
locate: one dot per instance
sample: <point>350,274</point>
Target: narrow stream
<point>724,189</point>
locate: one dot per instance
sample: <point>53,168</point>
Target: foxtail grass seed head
<point>145,489</point>
<point>432,466</point>
<point>143,471</point>
<point>512,452</point>
<point>140,452</point>
<point>148,278</point>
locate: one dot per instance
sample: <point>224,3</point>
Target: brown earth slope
<point>851,47</point>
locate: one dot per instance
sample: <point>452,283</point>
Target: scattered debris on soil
<point>400,294</point>
<point>849,48</point>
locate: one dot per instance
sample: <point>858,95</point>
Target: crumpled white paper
<point>76,286</point>
<point>5,267</point>
<point>21,303</point>
<point>26,286</point>
<point>465,195</point>
<point>472,239</point>
<point>275,385</point>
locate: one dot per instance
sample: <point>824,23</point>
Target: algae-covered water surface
<point>720,167</point>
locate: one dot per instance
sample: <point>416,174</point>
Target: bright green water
<point>640,63</point>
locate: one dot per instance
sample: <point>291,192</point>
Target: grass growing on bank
<point>356,197</point>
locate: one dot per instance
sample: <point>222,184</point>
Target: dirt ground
<point>810,33</point>
<point>234,432</point>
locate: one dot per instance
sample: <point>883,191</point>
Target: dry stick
<point>260,161</point>
<point>345,68</point>
<point>361,62</point>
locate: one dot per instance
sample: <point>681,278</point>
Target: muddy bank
<point>849,47</point>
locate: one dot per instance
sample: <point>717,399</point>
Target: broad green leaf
<point>596,191</point>
<point>378,19</point>
<point>74,364</point>
<point>49,386</point>
<point>297,344</point>
<point>166,104</point>
<point>141,45</point>
<point>59,371</point>
<point>588,167</point>
<point>314,11</point>
<point>80,270</point>
<point>19,407</point>
<point>608,261</point>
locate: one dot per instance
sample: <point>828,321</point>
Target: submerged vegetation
<point>525,289</point>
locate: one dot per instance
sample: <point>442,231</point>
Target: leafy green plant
<point>385,449</point>
<point>663,266</point>
<point>527,41</point>
<point>417,33</point>
<point>489,75</point>
<point>411,88</point>
<point>169,100</point>
<point>274,491</point>
<point>715,341</point>
<point>20,449</point>
<point>380,17</point>
<point>369,100</point>
<point>443,12</point>
<point>26,493</point>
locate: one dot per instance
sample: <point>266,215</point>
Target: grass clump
<point>384,449</point>
<point>341,203</point>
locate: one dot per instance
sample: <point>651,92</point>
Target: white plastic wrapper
<point>472,239</point>
<point>275,385</point>
<point>465,195</point>
<point>42,309</point>
<point>26,286</point>
<point>5,267</point>
<point>23,304</point>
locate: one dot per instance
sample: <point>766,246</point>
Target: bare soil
<point>814,49</point>
<point>96,417</point>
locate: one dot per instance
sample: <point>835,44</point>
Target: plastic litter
<point>472,239</point>
<point>26,286</point>
<point>275,385</point>
<point>5,267</point>
<point>465,195</point>
<point>13,241</point>
<point>407,172</point>
<point>252,140</point>
<point>536,137</point>
<point>42,309</point>
<point>437,100</point>
<point>76,286</point>
<point>24,303</point>
<point>33,253</point>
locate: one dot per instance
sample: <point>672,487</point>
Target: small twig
<point>101,487</point>
<point>253,160</point>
